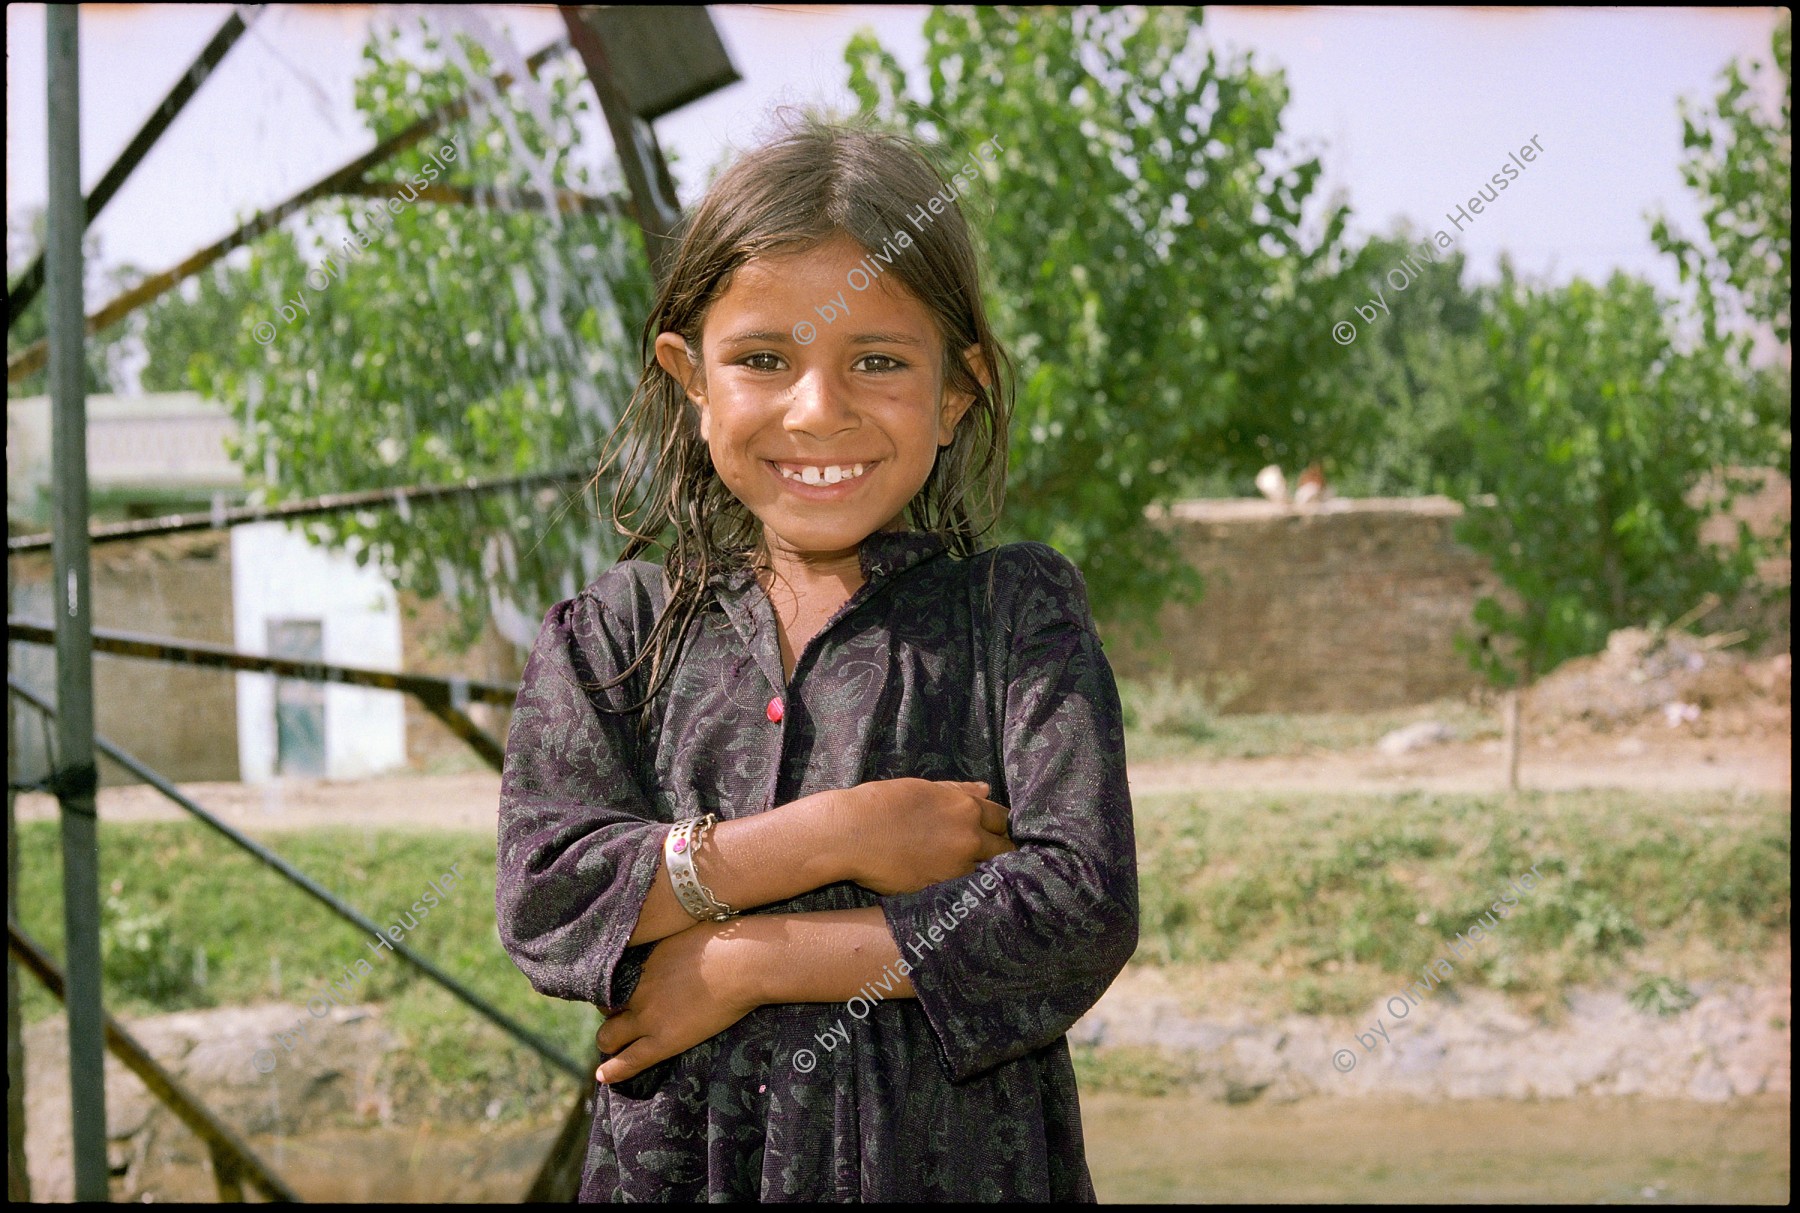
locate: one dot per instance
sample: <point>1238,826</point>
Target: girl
<point>867,854</point>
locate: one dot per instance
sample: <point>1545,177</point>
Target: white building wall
<point>277,574</point>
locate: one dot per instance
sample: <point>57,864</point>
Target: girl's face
<point>863,387</point>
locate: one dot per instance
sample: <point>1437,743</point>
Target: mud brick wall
<point>424,625</point>
<point>180,720</point>
<point>1346,606</point>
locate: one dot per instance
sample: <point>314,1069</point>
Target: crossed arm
<point>892,836</point>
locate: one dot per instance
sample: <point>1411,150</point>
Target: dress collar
<point>884,555</point>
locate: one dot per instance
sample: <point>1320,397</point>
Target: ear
<point>674,356</point>
<point>957,403</point>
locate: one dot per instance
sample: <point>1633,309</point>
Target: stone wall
<point>1355,604</point>
<point>180,720</point>
<point>423,625</point>
<point>1343,606</point>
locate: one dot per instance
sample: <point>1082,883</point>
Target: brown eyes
<point>763,361</point>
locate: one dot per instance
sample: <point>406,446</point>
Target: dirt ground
<point>1651,757</point>
<point>1653,711</point>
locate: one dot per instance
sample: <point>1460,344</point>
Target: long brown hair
<point>797,192</point>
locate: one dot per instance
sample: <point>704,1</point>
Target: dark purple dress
<point>937,668</point>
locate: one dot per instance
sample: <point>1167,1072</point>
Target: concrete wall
<point>179,720</point>
<point>277,574</point>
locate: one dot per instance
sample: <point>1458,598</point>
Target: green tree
<point>181,332</point>
<point>1145,266</point>
<point>1587,447</point>
<point>429,342</point>
<point>1408,375</point>
<point>1740,162</point>
<point>104,351</point>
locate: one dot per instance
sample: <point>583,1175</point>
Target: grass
<point>189,921</point>
<point>1275,903</point>
<point>1316,904</point>
<point>1167,720</point>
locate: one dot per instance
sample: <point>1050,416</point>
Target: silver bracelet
<point>679,848</point>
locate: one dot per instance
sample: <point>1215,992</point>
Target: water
<point>1166,1150</point>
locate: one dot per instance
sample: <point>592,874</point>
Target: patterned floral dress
<point>986,668</point>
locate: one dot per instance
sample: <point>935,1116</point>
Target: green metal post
<point>18,1177</point>
<point>76,778</point>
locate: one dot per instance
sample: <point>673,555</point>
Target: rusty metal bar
<point>20,294</point>
<point>476,737</point>
<point>494,1015</point>
<point>567,201</point>
<point>217,1135</point>
<point>657,217</point>
<point>558,1179</point>
<point>31,358</point>
<point>444,698</point>
<point>217,656</point>
<point>330,503</point>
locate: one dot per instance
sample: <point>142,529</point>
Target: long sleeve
<point>580,840</point>
<point>1005,960</point>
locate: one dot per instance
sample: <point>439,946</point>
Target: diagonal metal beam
<point>657,215</point>
<point>31,359</point>
<point>224,1144</point>
<point>330,503</point>
<point>307,884</point>
<point>445,698</point>
<point>20,294</point>
<point>567,201</point>
<point>454,692</point>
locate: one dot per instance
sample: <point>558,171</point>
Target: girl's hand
<point>690,990</point>
<point>906,834</point>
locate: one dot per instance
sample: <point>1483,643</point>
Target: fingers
<point>993,817</point>
<point>640,1056</point>
<point>994,844</point>
<point>617,1032</point>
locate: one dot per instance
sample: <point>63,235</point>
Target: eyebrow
<point>772,336</point>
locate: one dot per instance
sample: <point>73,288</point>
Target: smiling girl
<point>867,853</point>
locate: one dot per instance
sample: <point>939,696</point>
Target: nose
<point>819,407</point>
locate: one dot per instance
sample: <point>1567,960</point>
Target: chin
<point>816,535</point>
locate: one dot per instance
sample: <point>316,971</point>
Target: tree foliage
<point>1740,163</point>
<point>1406,377</point>
<point>1144,266</point>
<point>424,343</point>
<point>1587,446</point>
<point>104,352</point>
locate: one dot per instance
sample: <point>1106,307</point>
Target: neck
<point>778,563</point>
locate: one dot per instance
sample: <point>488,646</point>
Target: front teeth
<point>830,475</point>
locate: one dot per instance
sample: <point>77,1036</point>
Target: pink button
<point>680,845</point>
<point>775,709</point>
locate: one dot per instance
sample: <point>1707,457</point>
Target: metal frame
<point>651,203</point>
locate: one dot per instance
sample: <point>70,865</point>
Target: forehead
<point>805,281</point>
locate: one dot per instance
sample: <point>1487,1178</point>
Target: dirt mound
<point>1656,680</point>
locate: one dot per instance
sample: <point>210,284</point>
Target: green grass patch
<point>190,921</point>
<point>1275,902</point>
<point>1132,1070</point>
<point>1165,720</point>
<point>1318,904</point>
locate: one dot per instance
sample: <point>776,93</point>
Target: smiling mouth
<point>822,477</point>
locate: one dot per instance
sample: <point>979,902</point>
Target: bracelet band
<point>679,848</point>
